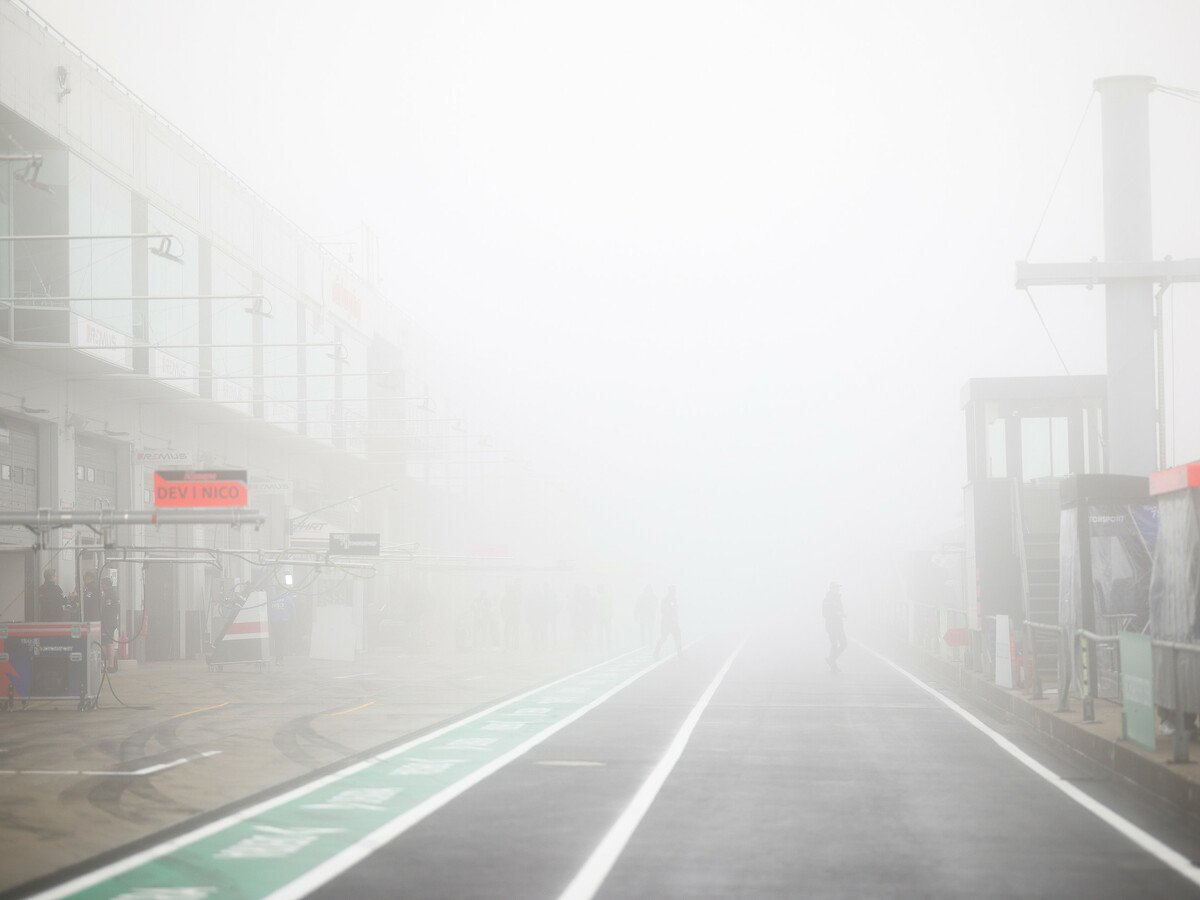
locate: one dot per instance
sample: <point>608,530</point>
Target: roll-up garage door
<point>95,474</point>
<point>18,472</point>
<point>18,493</point>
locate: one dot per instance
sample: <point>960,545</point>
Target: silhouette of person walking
<point>669,622</point>
<point>835,616</point>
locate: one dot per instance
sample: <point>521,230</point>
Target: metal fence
<point>1099,659</point>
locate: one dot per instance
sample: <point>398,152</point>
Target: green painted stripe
<point>269,847</point>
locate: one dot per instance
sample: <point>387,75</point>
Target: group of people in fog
<point>96,601</point>
<point>518,616</point>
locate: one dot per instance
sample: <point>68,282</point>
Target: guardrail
<point>1087,643</point>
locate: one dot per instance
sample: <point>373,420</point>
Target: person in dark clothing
<point>835,616</point>
<point>50,597</point>
<point>669,622</point>
<point>110,621</point>
<point>90,597</point>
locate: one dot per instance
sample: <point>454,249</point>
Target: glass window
<point>173,322</point>
<point>101,268</point>
<point>355,388</point>
<point>1044,447</point>
<point>172,176</point>
<point>39,205</point>
<point>279,391</point>
<point>231,324</point>
<point>321,387</point>
<point>280,252</point>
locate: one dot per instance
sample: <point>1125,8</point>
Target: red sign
<point>1176,479</point>
<point>197,489</point>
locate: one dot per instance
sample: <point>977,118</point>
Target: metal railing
<point>1086,644</point>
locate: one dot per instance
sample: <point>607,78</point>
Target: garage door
<point>18,493</point>
<point>18,474</point>
<point>95,474</point>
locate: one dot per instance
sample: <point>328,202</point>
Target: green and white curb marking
<point>291,844</point>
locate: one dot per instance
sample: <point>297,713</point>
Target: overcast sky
<point>722,268</point>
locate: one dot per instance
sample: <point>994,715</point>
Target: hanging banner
<point>191,489</point>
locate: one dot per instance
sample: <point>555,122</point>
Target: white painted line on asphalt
<point>130,773</point>
<point>97,876</point>
<point>588,880</point>
<point>355,853</point>
<point>1115,820</point>
<point>353,675</point>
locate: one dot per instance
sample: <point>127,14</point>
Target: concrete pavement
<point>77,784</point>
<point>795,782</point>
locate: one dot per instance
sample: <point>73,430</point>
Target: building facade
<point>156,313</point>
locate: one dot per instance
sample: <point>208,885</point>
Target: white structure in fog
<point>171,318</point>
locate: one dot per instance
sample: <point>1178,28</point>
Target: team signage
<point>191,489</point>
<point>343,544</point>
<point>153,457</point>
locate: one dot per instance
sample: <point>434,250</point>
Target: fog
<point>717,271</point>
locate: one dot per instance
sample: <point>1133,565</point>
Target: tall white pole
<point>1132,395</point>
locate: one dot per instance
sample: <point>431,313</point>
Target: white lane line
<point>359,851</point>
<point>130,773</point>
<point>588,880</point>
<point>1143,839</point>
<point>353,675</point>
<point>96,876</point>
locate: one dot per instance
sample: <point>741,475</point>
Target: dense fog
<point>715,272</point>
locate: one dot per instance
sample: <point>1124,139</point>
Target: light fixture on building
<point>164,250</point>
<point>64,82</point>
<point>257,309</point>
<point>30,172</point>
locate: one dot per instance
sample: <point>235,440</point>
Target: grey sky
<point>720,268</point>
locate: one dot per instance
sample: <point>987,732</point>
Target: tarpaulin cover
<point>1122,537</point>
<point>1122,541</point>
<point>1175,596</point>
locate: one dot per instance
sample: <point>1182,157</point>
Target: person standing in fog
<point>835,616</point>
<point>50,598</point>
<point>110,622</point>
<point>90,597</point>
<point>669,623</point>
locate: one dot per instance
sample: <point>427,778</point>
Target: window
<point>101,268</point>
<point>5,472</point>
<point>231,324</point>
<point>174,322</point>
<point>91,475</point>
<point>31,476</point>
<point>1044,447</point>
<point>279,360</point>
<point>79,473</point>
<point>18,475</point>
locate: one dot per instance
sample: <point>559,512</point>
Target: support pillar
<point>1129,303</point>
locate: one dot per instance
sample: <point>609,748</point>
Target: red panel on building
<point>200,489</point>
<point>1176,479</point>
